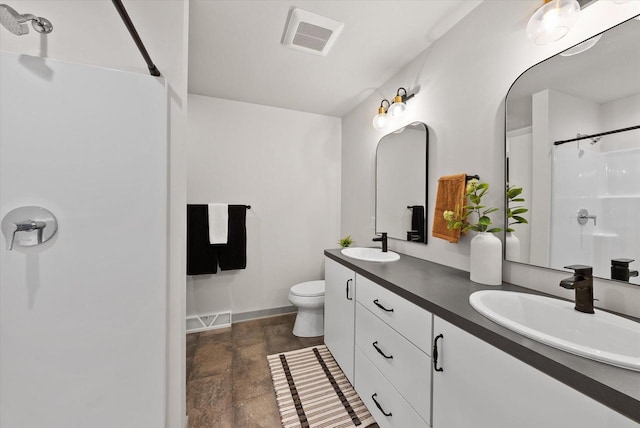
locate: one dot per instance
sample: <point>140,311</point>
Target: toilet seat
<point>308,289</point>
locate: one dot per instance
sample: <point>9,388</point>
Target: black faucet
<point>382,238</point>
<point>582,282</point>
<point>620,269</point>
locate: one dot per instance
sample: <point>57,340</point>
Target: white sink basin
<point>370,254</point>
<point>601,336</point>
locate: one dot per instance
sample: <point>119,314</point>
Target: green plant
<point>514,213</point>
<point>346,241</point>
<point>459,219</point>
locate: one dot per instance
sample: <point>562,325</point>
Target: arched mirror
<point>573,146</point>
<point>401,183</point>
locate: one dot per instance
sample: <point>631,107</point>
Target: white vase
<point>512,247</point>
<point>486,259</point>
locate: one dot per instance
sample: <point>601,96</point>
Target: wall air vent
<point>309,32</point>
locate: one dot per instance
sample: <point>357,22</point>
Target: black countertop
<point>444,291</point>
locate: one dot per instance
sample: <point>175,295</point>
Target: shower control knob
<point>583,217</point>
<point>28,226</point>
<point>42,25</point>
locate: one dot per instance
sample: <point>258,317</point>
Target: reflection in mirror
<point>401,183</point>
<point>573,145</point>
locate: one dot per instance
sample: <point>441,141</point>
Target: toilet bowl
<point>309,298</point>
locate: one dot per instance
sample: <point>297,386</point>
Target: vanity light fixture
<point>552,21</point>
<point>399,105</point>
<point>380,119</point>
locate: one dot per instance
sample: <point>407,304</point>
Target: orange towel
<point>451,189</point>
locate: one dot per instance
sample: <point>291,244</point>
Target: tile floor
<point>228,378</point>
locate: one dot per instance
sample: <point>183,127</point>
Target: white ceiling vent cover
<point>309,32</point>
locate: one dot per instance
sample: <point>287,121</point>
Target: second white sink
<point>370,254</point>
<point>601,336</point>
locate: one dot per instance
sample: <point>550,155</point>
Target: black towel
<point>417,220</point>
<point>202,257</point>
<point>234,254</point>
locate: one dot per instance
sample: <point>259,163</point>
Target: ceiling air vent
<point>309,32</point>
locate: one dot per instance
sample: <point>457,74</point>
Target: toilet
<point>309,298</point>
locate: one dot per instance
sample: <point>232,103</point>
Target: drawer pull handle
<point>373,397</point>
<point>348,281</point>
<point>375,302</point>
<point>375,345</point>
<point>435,354</point>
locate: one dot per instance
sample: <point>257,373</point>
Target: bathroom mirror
<point>573,145</point>
<point>401,183</point>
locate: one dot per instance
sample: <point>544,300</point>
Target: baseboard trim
<point>186,422</point>
<point>264,313</point>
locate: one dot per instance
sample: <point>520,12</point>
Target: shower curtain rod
<point>584,137</point>
<point>136,38</point>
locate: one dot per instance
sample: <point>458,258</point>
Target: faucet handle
<point>13,236</point>
<point>624,263</point>
<point>581,269</point>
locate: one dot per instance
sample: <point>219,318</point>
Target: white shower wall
<point>607,184</point>
<point>603,178</point>
<point>83,317</point>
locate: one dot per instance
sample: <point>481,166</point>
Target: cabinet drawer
<point>408,319</point>
<point>370,385</point>
<point>403,364</point>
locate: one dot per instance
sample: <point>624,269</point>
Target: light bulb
<point>397,108</point>
<point>552,21</point>
<point>380,119</point>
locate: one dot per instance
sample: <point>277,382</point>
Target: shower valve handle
<point>27,226</point>
<point>28,219</point>
<point>583,217</point>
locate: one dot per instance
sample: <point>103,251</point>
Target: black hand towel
<point>202,257</point>
<point>234,254</point>
<point>417,220</point>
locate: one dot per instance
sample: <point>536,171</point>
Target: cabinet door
<point>483,387</point>
<point>339,314</point>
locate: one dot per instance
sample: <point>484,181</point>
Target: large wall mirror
<point>573,145</point>
<point>401,183</point>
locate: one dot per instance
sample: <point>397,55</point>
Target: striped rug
<point>312,391</point>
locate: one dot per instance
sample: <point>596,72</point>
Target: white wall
<point>91,32</point>
<point>463,80</point>
<point>618,114</point>
<point>286,165</point>
<point>519,149</point>
<point>82,317</point>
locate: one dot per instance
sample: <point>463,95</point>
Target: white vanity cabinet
<point>385,346</point>
<point>339,314</point>
<point>392,357</point>
<point>481,386</point>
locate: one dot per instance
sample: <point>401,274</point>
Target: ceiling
<point>235,51</point>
